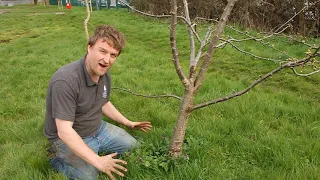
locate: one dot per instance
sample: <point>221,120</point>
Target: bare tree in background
<point>258,14</point>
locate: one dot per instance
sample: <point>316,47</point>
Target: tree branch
<point>293,17</point>
<point>192,44</point>
<point>213,43</point>
<point>261,39</point>
<point>302,42</point>
<point>203,43</point>
<point>86,21</point>
<point>237,93</point>
<point>146,14</point>
<point>309,74</point>
<point>250,37</point>
<point>173,44</point>
<point>148,96</point>
<point>290,64</point>
<point>194,63</point>
<point>249,53</point>
<point>163,16</point>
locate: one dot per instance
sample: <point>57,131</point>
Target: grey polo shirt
<point>73,96</point>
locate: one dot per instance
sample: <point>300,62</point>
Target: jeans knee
<point>132,143</point>
<point>86,173</point>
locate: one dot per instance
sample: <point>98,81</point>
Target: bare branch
<point>249,53</point>
<point>146,14</point>
<point>192,45</point>
<point>305,7</point>
<point>251,37</point>
<point>86,21</point>
<point>163,16</point>
<point>275,33</point>
<point>173,44</point>
<point>90,5</point>
<point>260,40</point>
<point>204,42</point>
<point>148,96</point>
<point>213,43</point>
<point>237,93</point>
<point>309,74</point>
<point>290,64</point>
<point>299,41</point>
<point>194,63</point>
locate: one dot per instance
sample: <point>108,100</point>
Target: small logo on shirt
<point>104,95</point>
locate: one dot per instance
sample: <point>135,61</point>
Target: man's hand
<point>142,126</point>
<point>109,165</point>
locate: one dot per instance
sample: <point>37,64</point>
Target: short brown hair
<point>108,33</point>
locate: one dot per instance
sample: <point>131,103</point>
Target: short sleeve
<point>108,82</point>
<point>63,101</point>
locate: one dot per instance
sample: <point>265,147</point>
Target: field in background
<point>272,132</point>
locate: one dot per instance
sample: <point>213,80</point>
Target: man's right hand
<point>109,165</point>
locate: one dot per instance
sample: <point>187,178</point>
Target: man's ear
<point>89,48</point>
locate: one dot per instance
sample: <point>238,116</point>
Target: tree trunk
<point>318,21</point>
<point>175,148</point>
<point>46,3</point>
<point>301,19</point>
<point>87,20</point>
<point>246,17</point>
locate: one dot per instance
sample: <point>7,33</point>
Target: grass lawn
<point>272,132</point>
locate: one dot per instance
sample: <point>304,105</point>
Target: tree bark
<point>246,17</point>
<point>86,21</point>
<point>301,19</point>
<point>46,3</point>
<point>176,144</point>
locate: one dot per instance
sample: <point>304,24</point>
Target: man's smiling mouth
<point>103,66</point>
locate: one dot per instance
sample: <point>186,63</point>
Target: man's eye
<point>113,55</point>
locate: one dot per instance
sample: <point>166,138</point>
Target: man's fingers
<point>120,168</point>
<point>145,129</point>
<point>145,122</point>
<point>147,126</point>
<point>120,161</point>
<point>110,175</point>
<point>112,155</point>
<point>117,172</point>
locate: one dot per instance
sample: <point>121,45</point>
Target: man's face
<point>101,56</point>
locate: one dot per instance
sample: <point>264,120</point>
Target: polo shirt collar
<point>87,76</point>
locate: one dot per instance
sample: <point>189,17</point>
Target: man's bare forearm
<point>72,139</point>
<point>111,112</point>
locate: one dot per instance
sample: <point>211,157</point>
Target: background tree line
<point>265,15</point>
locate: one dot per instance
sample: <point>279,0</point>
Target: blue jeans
<point>109,139</point>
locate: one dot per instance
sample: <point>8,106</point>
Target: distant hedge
<point>265,15</point>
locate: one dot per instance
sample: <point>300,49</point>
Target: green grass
<point>272,132</point>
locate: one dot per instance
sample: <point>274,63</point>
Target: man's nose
<point>107,58</point>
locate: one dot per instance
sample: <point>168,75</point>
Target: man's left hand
<point>142,126</point>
